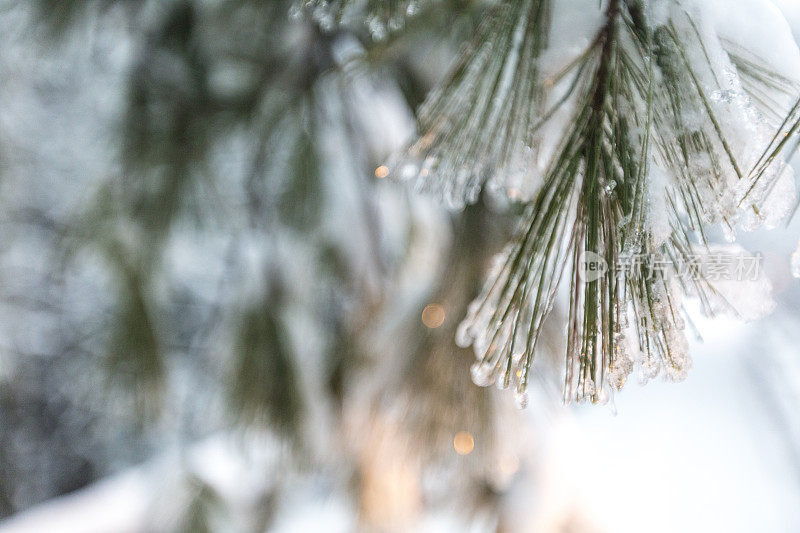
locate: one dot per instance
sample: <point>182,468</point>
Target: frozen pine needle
<point>626,152</point>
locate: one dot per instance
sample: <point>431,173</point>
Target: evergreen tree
<point>239,237</point>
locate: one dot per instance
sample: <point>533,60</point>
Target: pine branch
<point>480,123</point>
<point>642,107</point>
